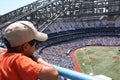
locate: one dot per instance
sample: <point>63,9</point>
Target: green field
<point>99,60</point>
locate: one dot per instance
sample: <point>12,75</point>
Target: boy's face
<point>29,49</point>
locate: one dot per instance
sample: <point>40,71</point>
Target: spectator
<point>18,63</point>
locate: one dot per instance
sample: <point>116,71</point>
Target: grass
<point>99,60</point>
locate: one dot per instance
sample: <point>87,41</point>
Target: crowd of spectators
<point>56,54</point>
<point>64,25</point>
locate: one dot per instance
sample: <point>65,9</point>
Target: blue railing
<point>73,75</point>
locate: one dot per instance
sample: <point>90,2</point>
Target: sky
<point>10,5</point>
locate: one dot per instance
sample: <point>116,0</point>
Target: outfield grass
<point>99,60</point>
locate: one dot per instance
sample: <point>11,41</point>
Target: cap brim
<point>41,36</point>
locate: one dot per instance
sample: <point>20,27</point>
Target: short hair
<point>9,48</point>
<point>31,43</point>
<point>7,43</point>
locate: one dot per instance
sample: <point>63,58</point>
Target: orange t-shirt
<point>16,66</point>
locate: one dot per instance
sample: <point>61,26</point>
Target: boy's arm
<point>48,72</point>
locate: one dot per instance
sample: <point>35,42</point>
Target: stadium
<point>74,27</point>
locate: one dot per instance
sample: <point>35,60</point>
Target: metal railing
<point>73,75</point>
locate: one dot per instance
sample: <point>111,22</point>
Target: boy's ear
<point>25,46</point>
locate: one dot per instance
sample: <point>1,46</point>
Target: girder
<point>39,14</point>
<point>43,13</point>
<point>93,8</point>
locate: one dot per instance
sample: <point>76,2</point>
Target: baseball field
<point>98,60</point>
